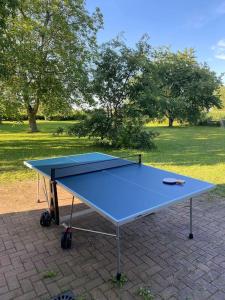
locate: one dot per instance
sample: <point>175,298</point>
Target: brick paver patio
<point>155,252</point>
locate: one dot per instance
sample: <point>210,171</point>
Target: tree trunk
<point>32,120</point>
<point>171,122</point>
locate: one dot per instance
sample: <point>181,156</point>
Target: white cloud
<point>220,56</point>
<point>221,43</point>
<point>219,49</point>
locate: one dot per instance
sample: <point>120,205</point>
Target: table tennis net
<point>90,167</point>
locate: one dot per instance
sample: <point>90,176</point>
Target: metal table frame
<point>54,210</point>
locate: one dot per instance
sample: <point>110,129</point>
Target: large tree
<point>185,87</point>
<point>116,115</point>
<point>115,77</point>
<point>46,47</point>
<point>202,92</point>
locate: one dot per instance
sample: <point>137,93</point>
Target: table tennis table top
<point>121,194</point>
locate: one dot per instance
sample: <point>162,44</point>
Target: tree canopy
<point>7,8</point>
<point>50,60</point>
<point>185,88</point>
<point>116,75</point>
<point>116,117</point>
<point>46,47</point>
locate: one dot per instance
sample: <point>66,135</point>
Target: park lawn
<point>217,114</point>
<point>194,151</point>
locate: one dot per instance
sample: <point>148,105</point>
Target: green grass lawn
<point>195,151</point>
<point>217,114</point>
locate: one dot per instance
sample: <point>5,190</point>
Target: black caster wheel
<point>45,219</point>
<point>118,276</point>
<point>191,236</point>
<point>65,296</point>
<point>66,239</point>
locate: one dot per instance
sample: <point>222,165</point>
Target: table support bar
<point>89,230</point>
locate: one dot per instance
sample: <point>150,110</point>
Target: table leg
<point>54,208</point>
<point>191,234</point>
<point>71,213</point>
<point>38,188</point>
<point>118,275</point>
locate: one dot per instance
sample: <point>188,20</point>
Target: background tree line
<point>50,61</point>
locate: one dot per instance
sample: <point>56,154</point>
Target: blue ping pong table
<point>119,189</point>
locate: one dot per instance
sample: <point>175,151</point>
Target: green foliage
<point>128,133</point>
<point>73,130</point>
<point>7,9</point>
<point>117,74</point>
<point>119,283</point>
<point>201,92</point>
<point>117,118</point>
<point>207,120</point>
<point>8,108</point>
<point>49,274</point>
<point>9,115</point>
<point>145,293</point>
<point>72,115</point>
<point>59,131</point>
<point>204,119</point>
<point>185,87</point>
<point>95,124</point>
<point>222,94</point>
<point>46,47</point>
<point>132,134</point>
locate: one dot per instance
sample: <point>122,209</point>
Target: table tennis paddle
<point>173,181</point>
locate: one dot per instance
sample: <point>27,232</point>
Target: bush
<point>20,117</point>
<point>132,134</point>
<point>76,116</point>
<point>206,120</point>
<point>95,124</point>
<point>72,129</point>
<point>59,131</point>
<point>129,133</point>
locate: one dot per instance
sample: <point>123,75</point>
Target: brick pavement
<point>155,252</point>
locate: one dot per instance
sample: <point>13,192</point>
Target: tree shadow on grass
<point>219,191</point>
<point>180,149</point>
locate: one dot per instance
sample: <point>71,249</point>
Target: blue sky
<point>199,24</point>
